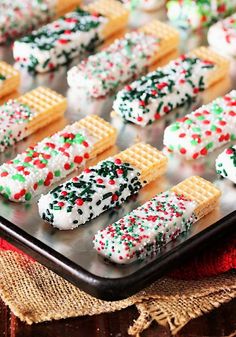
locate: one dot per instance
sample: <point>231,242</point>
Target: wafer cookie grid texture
<point>150,162</point>
<point>221,63</point>
<point>116,13</point>
<point>62,6</point>
<point>48,105</point>
<point>169,37</point>
<point>203,192</point>
<point>11,81</point>
<point>104,133</point>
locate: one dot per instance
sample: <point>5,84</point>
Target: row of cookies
<point>103,186</point>
<point>17,18</point>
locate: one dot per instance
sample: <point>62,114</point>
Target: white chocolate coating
<point>156,94</point>
<point>226,164</point>
<point>203,130</point>
<point>143,231</point>
<point>222,36</point>
<point>123,60</point>
<point>44,164</point>
<point>85,197</point>
<point>59,42</point>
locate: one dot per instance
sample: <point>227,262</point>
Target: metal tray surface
<point>71,253</point>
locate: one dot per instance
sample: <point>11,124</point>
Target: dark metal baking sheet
<point>71,253</point>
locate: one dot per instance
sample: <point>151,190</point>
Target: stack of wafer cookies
<point>124,59</point>
<point>100,187</point>
<point>9,79</point>
<point>54,158</point>
<point>20,17</point>
<point>203,130</point>
<point>79,31</point>
<point>145,230</point>
<point>156,94</point>
<point>23,116</point>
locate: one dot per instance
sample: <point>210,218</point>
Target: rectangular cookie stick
<point>162,219</point>
<point>20,17</point>
<point>159,92</point>
<point>54,158</point>
<point>106,185</point>
<point>124,59</point>
<point>23,116</point>
<point>57,43</point>
<point>9,79</point>
<point>203,130</point>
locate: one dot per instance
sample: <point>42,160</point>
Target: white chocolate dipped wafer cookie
<point>57,43</point>
<point>23,116</point>
<point>146,229</point>
<point>54,158</point>
<point>20,17</point>
<point>100,187</point>
<point>159,92</point>
<point>124,59</point>
<point>203,130</point>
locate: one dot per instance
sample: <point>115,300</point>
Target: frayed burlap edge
<point>36,294</point>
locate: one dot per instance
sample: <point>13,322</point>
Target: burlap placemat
<point>36,294</point>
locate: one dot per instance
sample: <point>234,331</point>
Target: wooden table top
<point>220,322</point>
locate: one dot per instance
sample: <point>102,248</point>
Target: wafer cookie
<point>203,130</point>
<point>222,35</point>
<point>20,17</point>
<point>54,158</point>
<point>159,92</point>
<point>226,164</point>
<point>9,79</point>
<point>201,191</point>
<point>103,186</point>
<point>124,59</point>
<point>23,116</point>
<point>57,43</point>
<point>162,219</point>
<point>189,14</point>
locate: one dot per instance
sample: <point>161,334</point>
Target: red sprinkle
<point>204,151</point>
<point>182,150</point>
<point>78,159</point>
<point>79,202</point>
<point>115,197</point>
<point>67,166</point>
<point>229,151</point>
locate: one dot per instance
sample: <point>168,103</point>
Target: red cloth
<point>213,261</point>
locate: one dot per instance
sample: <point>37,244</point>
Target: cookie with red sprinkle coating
<point>203,130</point>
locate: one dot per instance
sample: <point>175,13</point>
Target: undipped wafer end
<point>47,104</point>
<point>203,192</point>
<point>104,132</point>
<point>12,79</point>
<point>169,37</point>
<point>62,6</point>
<point>222,64</point>
<point>116,13</point>
<point>150,162</point>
